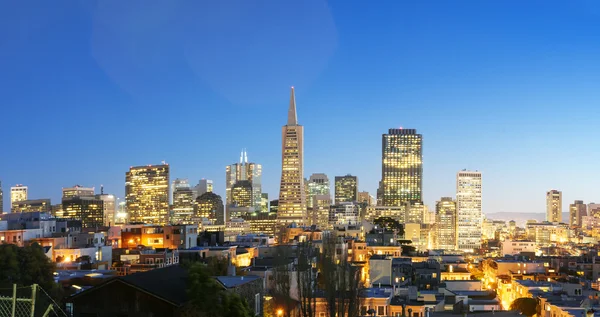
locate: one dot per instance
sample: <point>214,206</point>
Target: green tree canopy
<point>208,298</point>
<point>527,306</point>
<point>390,224</point>
<point>26,266</point>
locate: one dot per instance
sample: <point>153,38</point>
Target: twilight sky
<point>510,88</point>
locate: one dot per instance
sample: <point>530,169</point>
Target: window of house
<point>380,310</point>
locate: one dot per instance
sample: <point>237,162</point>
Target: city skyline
<point>506,98</point>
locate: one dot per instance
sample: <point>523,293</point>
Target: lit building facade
<point>318,184</point>
<point>415,212</point>
<point>17,193</point>
<point>78,191</point>
<point>88,210</point>
<point>242,195</point>
<point>468,210</point>
<point>262,222</point>
<point>147,194</point>
<point>178,183</point>
<point>445,219</point>
<point>320,211</point>
<point>210,206</point>
<point>110,207</point>
<point>204,186</point>
<point>292,194</point>
<point>554,206</point>
<point>32,205</point>
<point>183,205</point>
<point>401,168</point>
<point>397,213</point>
<point>365,197</point>
<point>249,176</point>
<point>577,210</point>
<point>345,213</point>
<point>346,189</point>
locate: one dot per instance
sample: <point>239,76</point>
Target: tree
<point>527,306</point>
<point>26,266</point>
<point>340,281</point>
<point>306,277</point>
<point>208,298</point>
<point>390,224</point>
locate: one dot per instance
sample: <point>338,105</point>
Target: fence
<point>28,301</point>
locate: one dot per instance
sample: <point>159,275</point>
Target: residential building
<point>468,210</point>
<point>247,176</point>
<point>32,205</point>
<point>515,247</point>
<point>318,184</point>
<point>345,213</point>
<point>401,168</point>
<point>446,225</point>
<point>292,194</point>
<point>346,189</point>
<point>554,206</point>
<point>577,210</point>
<point>147,194</point>
<point>17,193</point>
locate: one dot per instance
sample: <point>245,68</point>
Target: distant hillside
<point>522,217</point>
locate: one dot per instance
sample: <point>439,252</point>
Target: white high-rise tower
<point>468,210</point>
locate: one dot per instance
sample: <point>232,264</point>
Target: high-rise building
<point>468,209</point>
<point>204,186</point>
<point>346,189</point>
<point>32,205</point>
<point>1,199</point>
<point>264,205</point>
<point>320,211</point>
<point>88,210</point>
<point>415,212</point>
<point>445,220</point>
<point>78,191</point>
<point>401,168</point>
<point>246,174</point>
<point>210,206</point>
<point>178,183</point>
<point>147,194</point>
<point>110,207</point>
<point>17,193</point>
<point>365,197</point>
<point>292,194</point>
<point>577,210</point>
<point>554,206</point>
<point>318,184</point>
<point>241,195</point>
<point>183,205</point>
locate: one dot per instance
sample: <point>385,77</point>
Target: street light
<point>280,312</point>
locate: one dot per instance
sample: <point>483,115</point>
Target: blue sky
<point>510,88</point>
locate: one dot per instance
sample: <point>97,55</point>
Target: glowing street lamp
<point>280,312</point>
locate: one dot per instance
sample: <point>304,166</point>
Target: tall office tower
<point>147,194</point>
<point>554,206</point>
<point>17,193</point>
<point>577,210</point>
<point>247,173</point>
<point>122,217</point>
<point>204,186</point>
<point>210,206</point>
<point>320,211</point>
<point>88,209</point>
<point>346,189</point>
<point>78,191</point>
<point>241,195</point>
<point>33,205</point>
<point>264,204</point>
<point>178,183</point>
<point>445,220</point>
<point>318,184</point>
<point>1,199</point>
<point>183,205</point>
<point>415,212</point>
<point>365,197</point>
<point>292,195</point>
<point>468,210</point>
<point>401,168</point>
<point>110,207</point>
